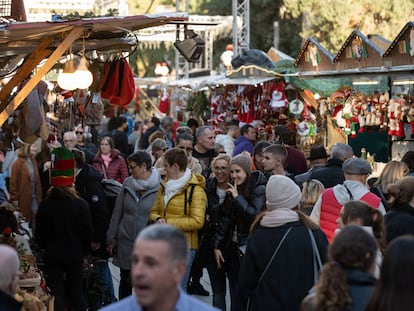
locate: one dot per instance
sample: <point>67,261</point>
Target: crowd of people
<point>284,230</point>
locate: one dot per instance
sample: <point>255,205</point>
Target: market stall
<point>365,90</point>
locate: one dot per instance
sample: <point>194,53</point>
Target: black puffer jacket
<point>88,185</point>
<point>399,221</point>
<point>240,212</point>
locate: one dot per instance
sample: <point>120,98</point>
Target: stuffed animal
<point>393,122</point>
<point>410,119</point>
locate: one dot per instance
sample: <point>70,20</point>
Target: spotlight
<point>191,47</point>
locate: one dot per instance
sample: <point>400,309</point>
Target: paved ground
<point>205,281</point>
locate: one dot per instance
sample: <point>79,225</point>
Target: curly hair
<point>402,191</point>
<point>352,248</point>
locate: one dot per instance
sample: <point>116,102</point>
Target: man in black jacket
<point>332,173</point>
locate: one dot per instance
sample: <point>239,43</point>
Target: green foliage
<point>331,23</point>
<point>198,104</point>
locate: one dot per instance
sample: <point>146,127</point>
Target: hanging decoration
<point>296,106</point>
<point>164,106</point>
<point>314,55</point>
<point>117,84</point>
<point>358,49</point>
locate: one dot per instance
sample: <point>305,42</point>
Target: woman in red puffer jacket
<point>109,161</point>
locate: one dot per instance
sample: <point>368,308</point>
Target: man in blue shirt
<point>159,261</point>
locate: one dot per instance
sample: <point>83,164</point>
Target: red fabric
<point>164,106</point>
<point>330,210</point>
<point>63,164</point>
<point>117,83</point>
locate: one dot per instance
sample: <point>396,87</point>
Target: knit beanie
<point>282,192</point>
<point>244,162</point>
<point>62,172</point>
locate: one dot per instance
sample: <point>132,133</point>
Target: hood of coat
<point>257,178</point>
<point>356,188</point>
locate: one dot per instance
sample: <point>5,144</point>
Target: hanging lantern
<point>83,77</point>
<point>66,79</point>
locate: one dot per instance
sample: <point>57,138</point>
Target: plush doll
<point>278,99</point>
<point>400,118</point>
<point>393,123</point>
<point>410,119</point>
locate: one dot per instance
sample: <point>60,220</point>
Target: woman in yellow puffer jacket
<point>181,201</point>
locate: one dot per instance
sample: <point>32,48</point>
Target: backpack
<point>111,187</point>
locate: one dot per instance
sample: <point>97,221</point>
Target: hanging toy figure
<point>164,101</point>
<point>278,99</point>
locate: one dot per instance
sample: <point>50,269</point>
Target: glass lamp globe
<point>66,79</point>
<point>83,76</point>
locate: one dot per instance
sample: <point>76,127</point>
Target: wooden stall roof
<point>357,47</point>
<point>401,50</point>
<point>46,42</point>
<point>323,58</point>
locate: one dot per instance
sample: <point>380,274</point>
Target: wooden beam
<point>26,69</point>
<point>31,84</point>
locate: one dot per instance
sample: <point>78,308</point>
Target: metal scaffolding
<point>241,26</point>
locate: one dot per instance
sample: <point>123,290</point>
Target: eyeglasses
<point>78,132</point>
<point>132,167</point>
<point>186,148</point>
<point>220,168</point>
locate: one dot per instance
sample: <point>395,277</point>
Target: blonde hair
<point>311,191</point>
<point>393,171</point>
<point>221,156</point>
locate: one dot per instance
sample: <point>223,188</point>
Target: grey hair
<point>176,240</point>
<point>201,130</point>
<point>9,266</point>
<point>71,135</point>
<point>166,121</point>
<point>342,151</point>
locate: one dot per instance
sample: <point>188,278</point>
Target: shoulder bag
<point>249,300</point>
<point>317,262</point>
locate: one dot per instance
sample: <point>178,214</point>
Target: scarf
<point>278,217</point>
<point>146,184</point>
<point>106,159</point>
<point>173,186</point>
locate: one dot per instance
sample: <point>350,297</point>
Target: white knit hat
<point>282,192</point>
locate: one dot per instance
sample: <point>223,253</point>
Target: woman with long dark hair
<point>394,290</point>
<point>245,201</point>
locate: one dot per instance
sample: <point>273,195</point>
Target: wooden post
<point>40,53</point>
<point>31,84</point>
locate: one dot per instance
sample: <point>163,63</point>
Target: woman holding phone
<point>245,200</point>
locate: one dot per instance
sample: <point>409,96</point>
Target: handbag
<point>249,300</point>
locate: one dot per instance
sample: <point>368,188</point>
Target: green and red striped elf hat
<point>62,172</point>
